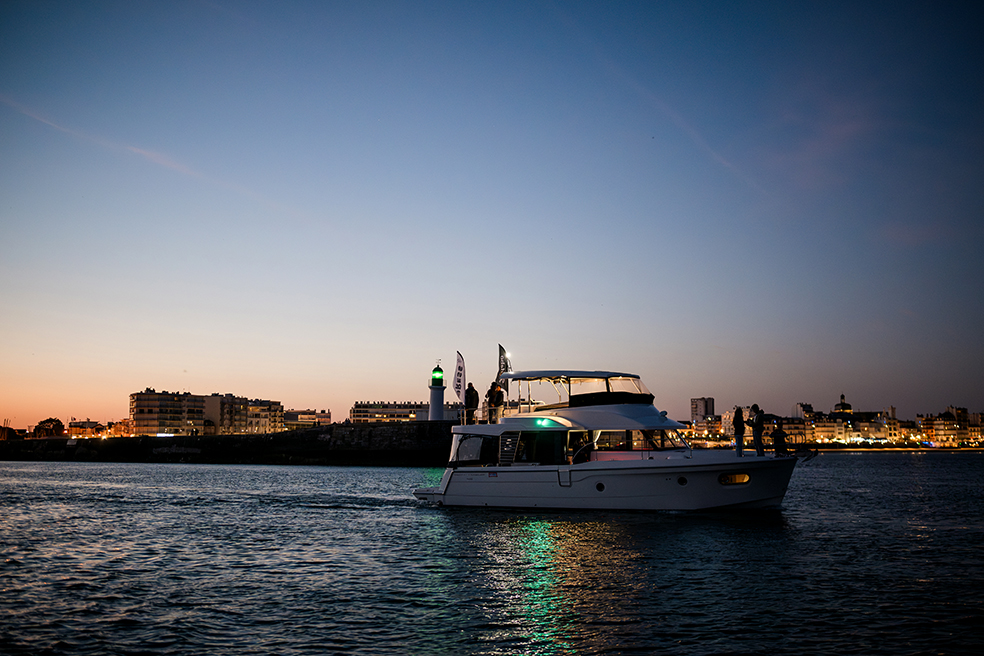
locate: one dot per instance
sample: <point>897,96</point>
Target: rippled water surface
<point>873,553</point>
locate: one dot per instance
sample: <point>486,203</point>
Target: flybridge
<point>551,389</point>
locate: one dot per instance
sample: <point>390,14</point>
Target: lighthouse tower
<point>437,386</point>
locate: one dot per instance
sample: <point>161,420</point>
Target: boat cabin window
<point>475,450</point>
<point>542,447</point>
<point>639,440</point>
<point>579,446</point>
<point>611,441</point>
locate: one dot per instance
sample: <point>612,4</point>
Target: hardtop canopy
<point>575,387</point>
<point>561,374</point>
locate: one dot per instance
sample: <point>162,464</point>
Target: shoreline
<point>416,444</point>
<point>412,444</point>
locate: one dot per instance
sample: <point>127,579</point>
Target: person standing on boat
<point>757,423</point>
<point>739,424</point>
<point>500,400</point>
<point>779,440</point>
<point>471,403</point>
<point>495,401</point>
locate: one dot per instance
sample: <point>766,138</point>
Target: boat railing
<point>486,414</point>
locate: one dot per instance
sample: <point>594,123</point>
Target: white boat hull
<point>673,483</point>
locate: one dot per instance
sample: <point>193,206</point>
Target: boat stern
<point>428,493</point>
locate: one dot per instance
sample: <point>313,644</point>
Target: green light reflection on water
<point>535,586</point>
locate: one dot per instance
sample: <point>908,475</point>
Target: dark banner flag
<point>504,366</point>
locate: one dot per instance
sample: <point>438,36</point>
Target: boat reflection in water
<point>600,443</point>
<point>557,583</point>
<point>549,580</point>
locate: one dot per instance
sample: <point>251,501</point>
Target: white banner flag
<point>459,378</point>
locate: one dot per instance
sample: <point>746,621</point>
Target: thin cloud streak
<point>156,158</point>
<point>166,162</point>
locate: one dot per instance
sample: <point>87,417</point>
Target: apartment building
<point>167,413</point>
<point>265,417</point>
<point>300,419</point>
<point>365,412</point>
<point>226,414</point>
<point>700,408</point>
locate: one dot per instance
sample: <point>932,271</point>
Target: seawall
<point>411,444</point>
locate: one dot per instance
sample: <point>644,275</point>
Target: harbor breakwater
<point>412,444</point>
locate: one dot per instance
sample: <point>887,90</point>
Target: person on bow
<point>757,422</point>
<point>495,399</point>
<point>738,422</point>
<point>779,440</point>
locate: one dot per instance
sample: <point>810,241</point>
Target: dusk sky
<point>312,202</point>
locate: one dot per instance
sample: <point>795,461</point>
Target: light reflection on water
<point>873,553</point>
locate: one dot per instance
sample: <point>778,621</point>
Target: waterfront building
<point>85,428</point>
<point>950,428</point>
<point>121,428</point>
<point>170,413</point>
<point>803,410</point>
<point>727,422</point>
<point>227,413</point>
<point>700,408</point>
<point>299,419</point>
<point>974,434</point>
<point>709,427</point>
<point>265,417</point>
<point>908,430</point>
<point>167,413</point>
<point>365,412</point>
<point>846,426</point>
<point>795,428</point>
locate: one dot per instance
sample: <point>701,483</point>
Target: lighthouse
<point>437,386</point>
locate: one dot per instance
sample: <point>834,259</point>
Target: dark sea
<point>873,553</point>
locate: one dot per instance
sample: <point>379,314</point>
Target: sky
<point>314,202</point>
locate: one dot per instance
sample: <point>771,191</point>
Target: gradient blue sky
<point>763,202</point>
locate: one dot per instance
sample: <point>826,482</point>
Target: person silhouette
<point>495,399</point>
<point>779,440</point>
<point>739,425</point>
<point>757,423</point>
<point>471,403</point>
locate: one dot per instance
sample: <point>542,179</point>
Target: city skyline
<point>314,202</point>
<point>450,400</point>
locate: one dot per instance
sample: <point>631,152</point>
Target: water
<point>873,553</point>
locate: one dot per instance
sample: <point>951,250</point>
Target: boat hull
<point>684,484</point>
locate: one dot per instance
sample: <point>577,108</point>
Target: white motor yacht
<point>596,442</point>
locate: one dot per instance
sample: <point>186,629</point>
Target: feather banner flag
<point>504,366</point>
<point>459,378</point>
